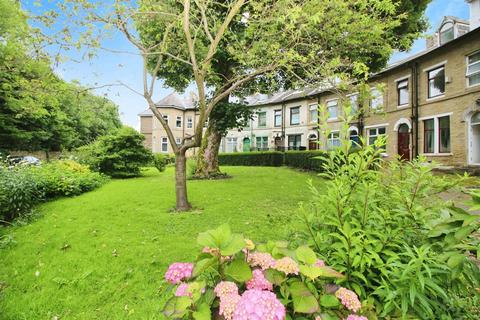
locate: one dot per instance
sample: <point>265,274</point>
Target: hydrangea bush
<point>235,279</point>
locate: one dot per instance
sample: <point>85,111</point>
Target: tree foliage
<point>38,110</point>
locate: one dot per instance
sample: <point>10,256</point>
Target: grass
<point>103,254</point>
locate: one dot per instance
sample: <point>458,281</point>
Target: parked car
<point>24,160</point>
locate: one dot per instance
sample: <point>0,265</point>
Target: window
<point>473,69</point>
<point>277,118</point>
<point>436,82</point>
<point>231,145</point>
<point>402,92</point>
<point>262,143</point>
<point>444,136</point>
<point>295,116</point>
<point>332,109</point>
<point>447,33</point>
<point>205,124</point>
<point>429,136</point>
<point>313,113</point>
<point>294,142</point>
<point>374,134</point>
<point>354,137</point>
<point>165,118</point>
<point>178,123</point>
<point>262,119</point>
<point>353,104</point>
<point>178,141</point>
<point>164,144</point>
<point>376,102</point>
<point>436,135</point>
<point>333,140</point>
<point>189,123</point>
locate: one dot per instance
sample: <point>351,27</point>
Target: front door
<point>404,142</point>
<point>246,145</point>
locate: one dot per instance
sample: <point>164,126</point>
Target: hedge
<point>295,159</point>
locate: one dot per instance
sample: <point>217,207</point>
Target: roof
<point>176,101</point>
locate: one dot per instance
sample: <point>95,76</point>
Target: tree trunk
<point>207,159</point>
<point>182,203</point>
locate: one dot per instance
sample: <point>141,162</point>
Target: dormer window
<point>447,33</point>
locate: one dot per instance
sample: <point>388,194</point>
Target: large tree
<point>329,23</point>
<point>267,44</point>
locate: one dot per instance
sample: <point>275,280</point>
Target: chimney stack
<point>474,13</point>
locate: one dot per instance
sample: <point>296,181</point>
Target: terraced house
<point>430,105</point>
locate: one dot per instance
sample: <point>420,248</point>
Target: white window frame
<point>329,104</point>
<point>178,141</point>
<point>263,140</point>
<point>275,117</point>
<point>164,142</point>
<point>381,106</point>
<point>299,119</point>
<point>467,74</point>
<point>165,117</point>
<point>330,140</point>
<point>189,123</point>
<point>436,134</point>
<point>405,105</point>
<point>231,141</point>
<point>258,119</point>
<point>357,107</point>
<point>179,118</point>
<point>313,107</point>
<point>376,127</point>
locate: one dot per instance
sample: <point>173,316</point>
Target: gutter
<point>415,105</point>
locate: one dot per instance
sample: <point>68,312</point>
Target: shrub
<point>233,278</point>
<point>119,155</point>
<point>266,159</point>
<point>22,187</point>
<point>307,160</point>
<point>160,161</point>
<point>381,225</point>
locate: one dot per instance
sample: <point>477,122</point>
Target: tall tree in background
<point>330,22</point>
<point>38,110</point>
<point>267,45</point>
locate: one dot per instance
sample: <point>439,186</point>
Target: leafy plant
<point>236,279</point>
<point>160,161</point>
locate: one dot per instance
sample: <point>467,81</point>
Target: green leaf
<point>202,265</point>
<point>463,232</point>
<point>455,260</point>
<point>234,245</point>
<point>203,312</point>
<point>215,238</point>
<point>306,255</point>
<point>314,272</point>
<point>329,301</point>
<point>238,270</point>
<point>275,277</point>
<point>303,299</point>
<point>177,307</point>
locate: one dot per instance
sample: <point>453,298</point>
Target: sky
<point>107,68</point>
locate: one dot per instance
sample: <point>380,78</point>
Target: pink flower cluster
<point>182,291</point>
<point>178,271</point>
<point>349,299</point>
<point>355,317</point>
<point>225,288</point>
<point>259,305</point>
<point>287,265</point>
<point>319,263</point>
<point>261,259</point>
<point>212,251</point>
<point>259,281</point>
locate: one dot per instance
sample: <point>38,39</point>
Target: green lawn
<point>102,255</point>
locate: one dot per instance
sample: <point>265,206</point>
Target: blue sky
<point>108,67</point>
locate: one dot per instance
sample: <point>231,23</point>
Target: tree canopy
<point>38,110</point>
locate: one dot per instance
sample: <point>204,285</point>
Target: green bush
<point>22,187</point>
<point>160,161</point>
<point>119,155</point>
<point>399,245</point>
<point>264,159</point>
<point>307,160</point>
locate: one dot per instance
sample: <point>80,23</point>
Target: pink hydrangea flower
<point>178,271</point>
<point>225,288</point>
<point>259,281</point>
<point>287,265</point>
<point>228,305</point>
<point>261,259</point>
<point>182,291</point>
<point>356,317</point>
<point>212,251</point>
<point>259,305</point>
<point>349,299</point>
<point>319,263</point>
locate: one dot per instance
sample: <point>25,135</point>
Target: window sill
<point>435,98</point>
<point>403,106</point>
<point>332,119</point>
<point>437,154</point>
<point>473,86</point>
